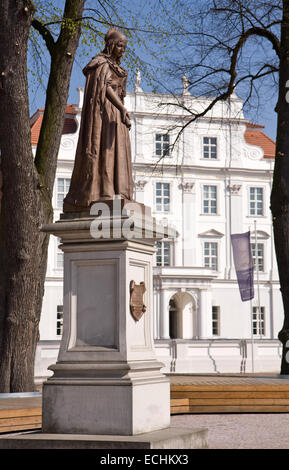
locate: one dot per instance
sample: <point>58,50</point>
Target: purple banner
<point>244,264</point>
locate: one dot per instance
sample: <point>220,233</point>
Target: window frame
<point>210,213</point>
<point>58,252</point>
<point>211,242</point>
<point>162,144</point>
<point>216,320</point>
<point>57,192</point>
<point>260,324</point>
<point>162,197</point>
<point>209,145</point>
<point>253,245</point>
<point>59,320</point>
<point>255,201</point>
<point>163,243</point>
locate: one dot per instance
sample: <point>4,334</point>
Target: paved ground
<point>20,401</point>
<point>241,431</point>
<point>238,431</point>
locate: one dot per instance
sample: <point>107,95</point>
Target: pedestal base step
<point>168,438</point>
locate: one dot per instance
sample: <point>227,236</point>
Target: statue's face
<point>119,49</point>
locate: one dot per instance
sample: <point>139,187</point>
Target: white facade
<point>211,184</point>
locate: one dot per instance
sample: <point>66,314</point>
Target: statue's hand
<point>125,118</point>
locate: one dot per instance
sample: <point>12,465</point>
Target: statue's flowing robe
<point>103,157</point>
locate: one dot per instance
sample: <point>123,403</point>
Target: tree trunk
<point>280,189</point>
<point>28,185</point>
<point>20,206</point>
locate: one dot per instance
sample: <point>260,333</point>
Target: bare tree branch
<point>45,33</point>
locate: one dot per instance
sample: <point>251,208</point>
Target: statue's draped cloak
<point>103,157</point>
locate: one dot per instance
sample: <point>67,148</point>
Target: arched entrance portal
<point>182,316</point>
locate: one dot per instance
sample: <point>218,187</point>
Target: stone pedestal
<point>106,379</point>
<point>169,438</point>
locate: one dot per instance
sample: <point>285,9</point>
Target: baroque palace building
<point>213,181</point>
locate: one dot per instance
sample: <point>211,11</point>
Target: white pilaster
<point>139,187</point>
<point>189,225</point>
<point>205,313</point>
<point>165,314</point>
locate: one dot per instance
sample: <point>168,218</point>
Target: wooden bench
<point>228,398</point>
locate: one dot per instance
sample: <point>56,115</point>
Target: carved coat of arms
<point>137,307</point>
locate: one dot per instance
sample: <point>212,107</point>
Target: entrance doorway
<point>182,316</point>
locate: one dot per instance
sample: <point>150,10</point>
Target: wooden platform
<point>20,412</point>
<point>229,394</point>
<point>189,394</point>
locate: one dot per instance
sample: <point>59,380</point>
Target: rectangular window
<point>59,255</point>
<point>211,255</point>
<point>163,254</point>
<point>209,199</point>
<point>258,321</point>
<point>162,145</point>
<point>62,189</point>
<point>215,320</point>
<point>59,320</point>
<point>256,201</point>
<point>162,197</point>
<point>210,147</point>
<point>260,255</point>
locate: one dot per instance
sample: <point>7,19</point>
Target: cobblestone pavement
<point>240,431</point>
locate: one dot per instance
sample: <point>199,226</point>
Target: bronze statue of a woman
<point>102,166</point>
